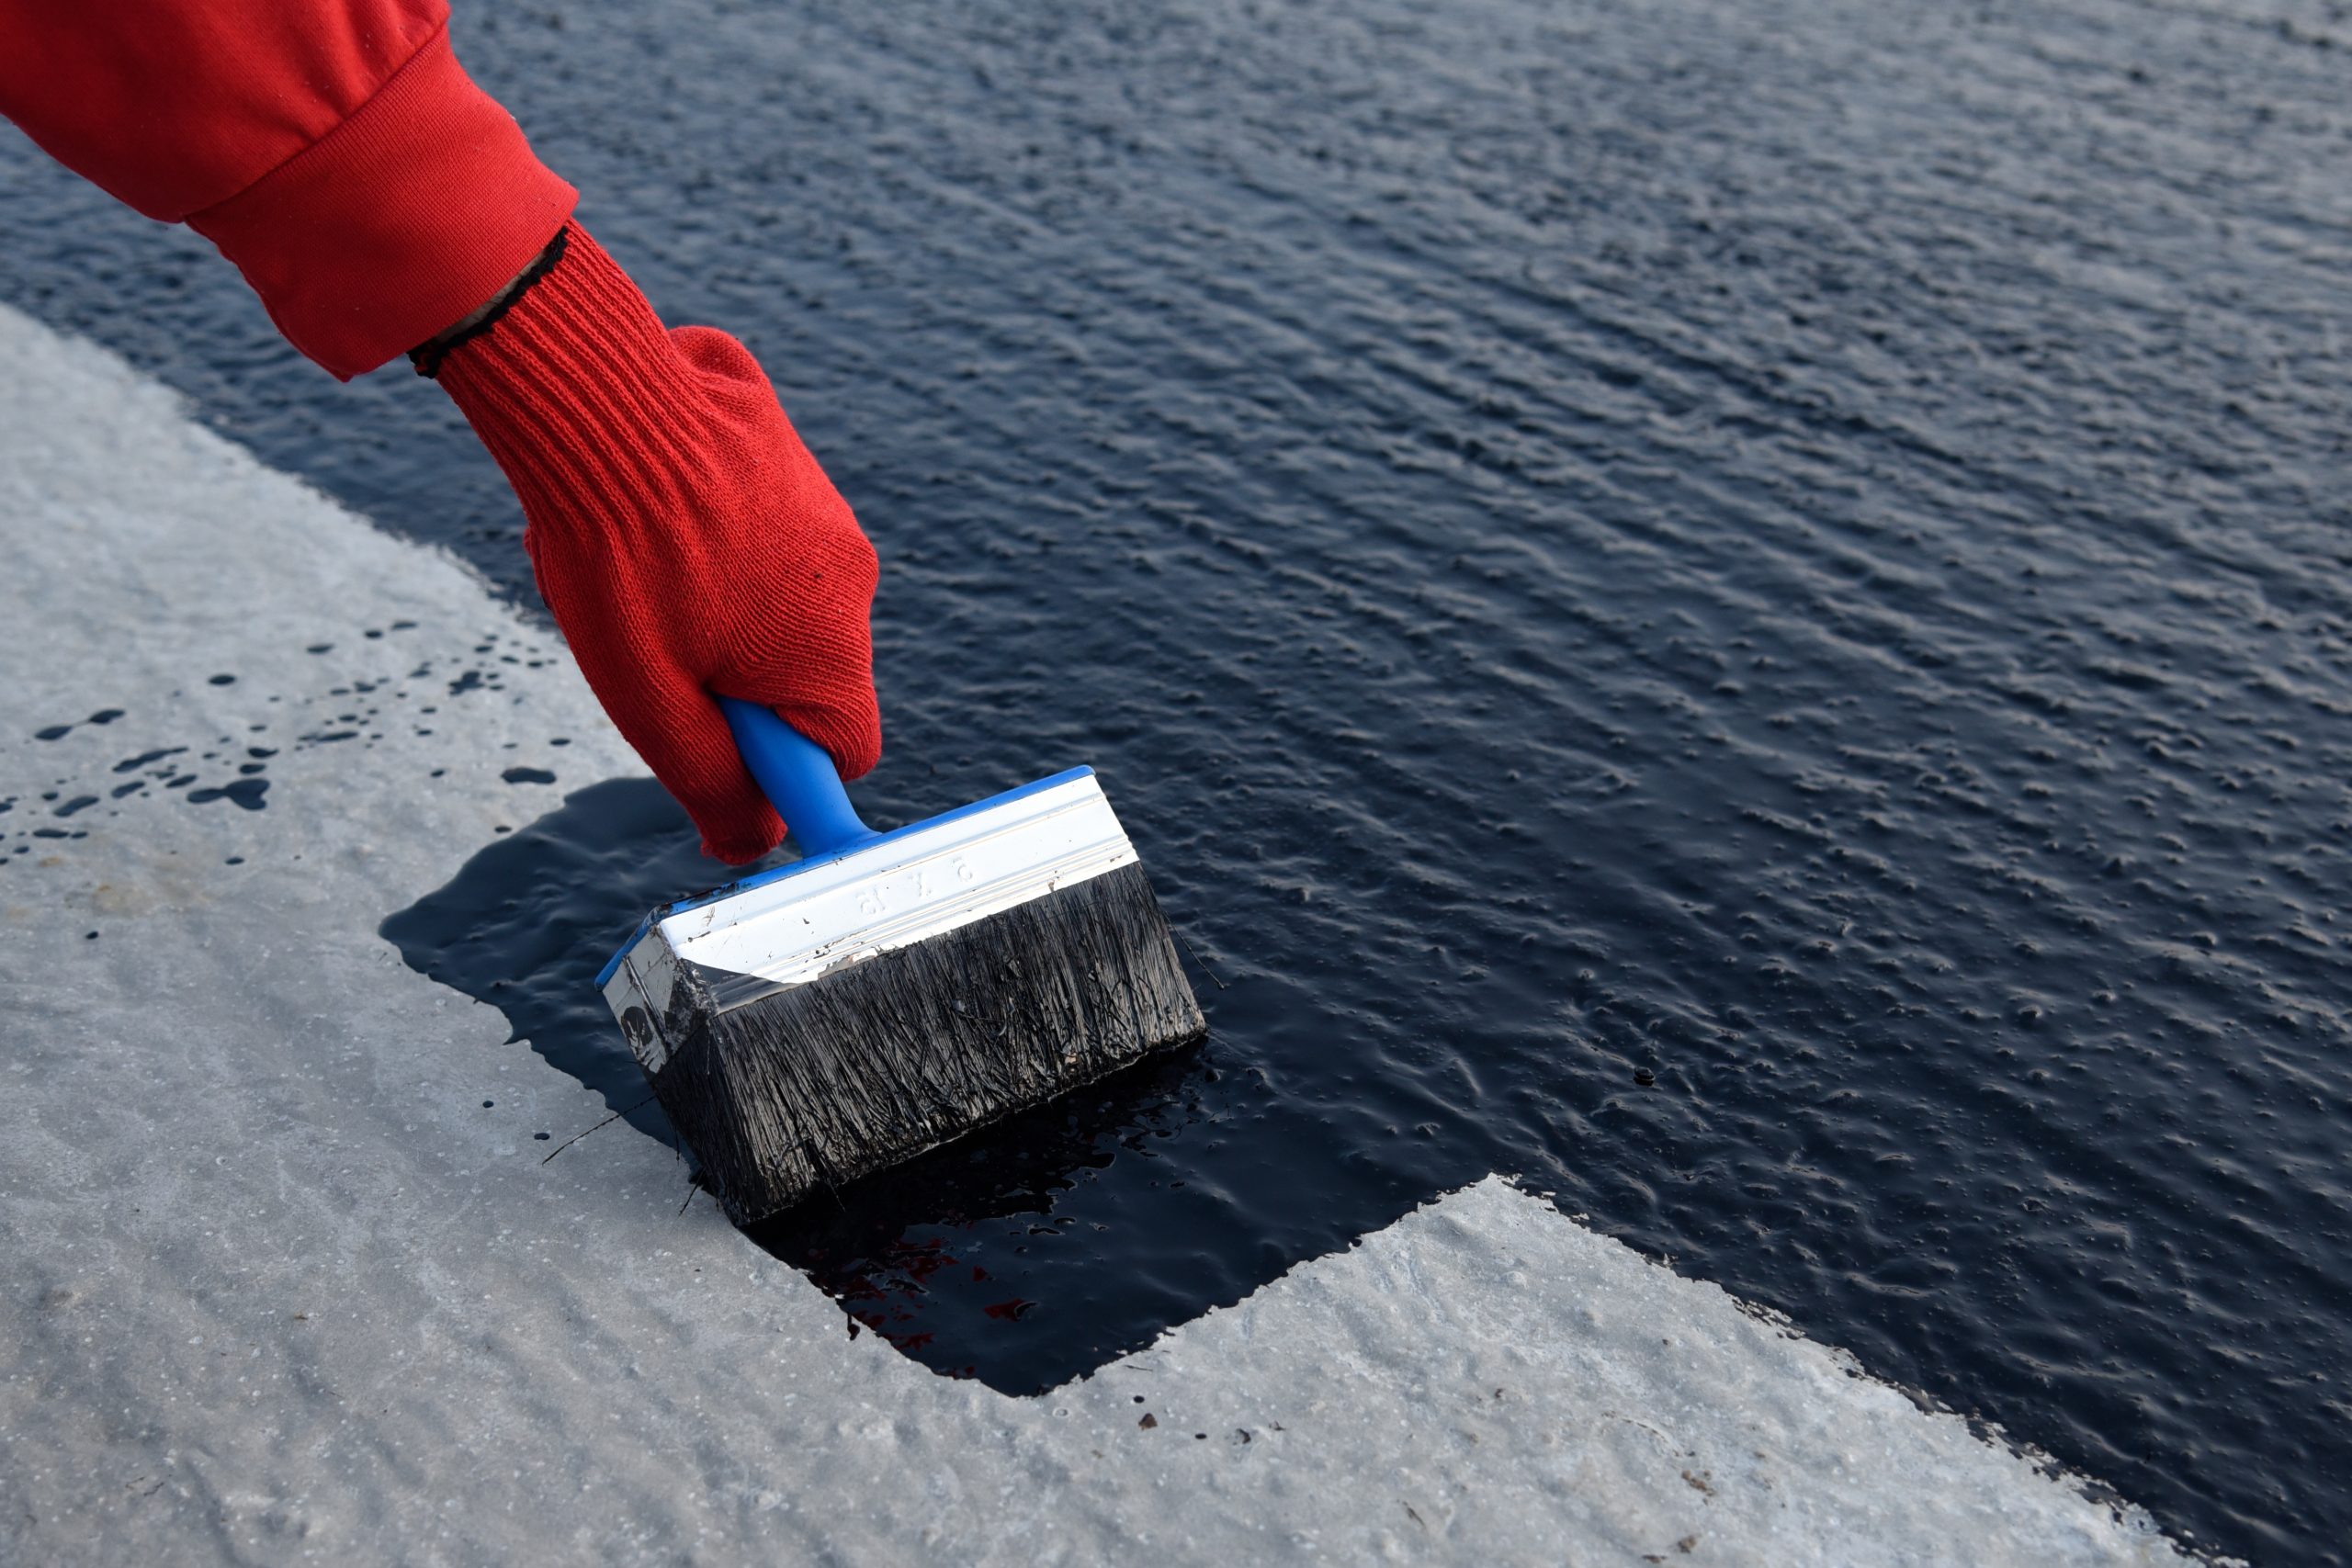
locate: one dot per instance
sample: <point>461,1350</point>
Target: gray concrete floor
<point>280,1289</point>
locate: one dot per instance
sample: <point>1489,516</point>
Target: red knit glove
<point>684,538</point>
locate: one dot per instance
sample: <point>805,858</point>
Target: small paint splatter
<point>245,793</point>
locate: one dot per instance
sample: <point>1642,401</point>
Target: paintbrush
<point>888,992</point>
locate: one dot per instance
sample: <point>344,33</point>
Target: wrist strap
<point>427,357</point>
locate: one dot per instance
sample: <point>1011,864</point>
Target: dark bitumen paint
<point>530,918</point>
<point>60,731</point>
<point>246,793</point>
<point>1792,547</point>
<point>527,922</point>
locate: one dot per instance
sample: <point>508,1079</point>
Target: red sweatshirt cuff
<point>396,224</point>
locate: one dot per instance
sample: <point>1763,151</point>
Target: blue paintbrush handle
<point>797,778</point>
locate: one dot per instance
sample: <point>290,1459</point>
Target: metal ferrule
<point>800,922</point>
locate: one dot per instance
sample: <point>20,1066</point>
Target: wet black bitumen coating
<point>1795,547</point>
<point>532,917</point>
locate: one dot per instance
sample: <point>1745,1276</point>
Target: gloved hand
<point>684,539</point>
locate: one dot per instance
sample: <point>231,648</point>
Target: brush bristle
<point>880,1060</point>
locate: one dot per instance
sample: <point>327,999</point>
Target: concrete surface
<point>280,1287</point>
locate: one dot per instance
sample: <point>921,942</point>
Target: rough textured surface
<point>289,1282</point>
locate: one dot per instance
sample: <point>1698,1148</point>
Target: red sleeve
<point>334,150</point>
